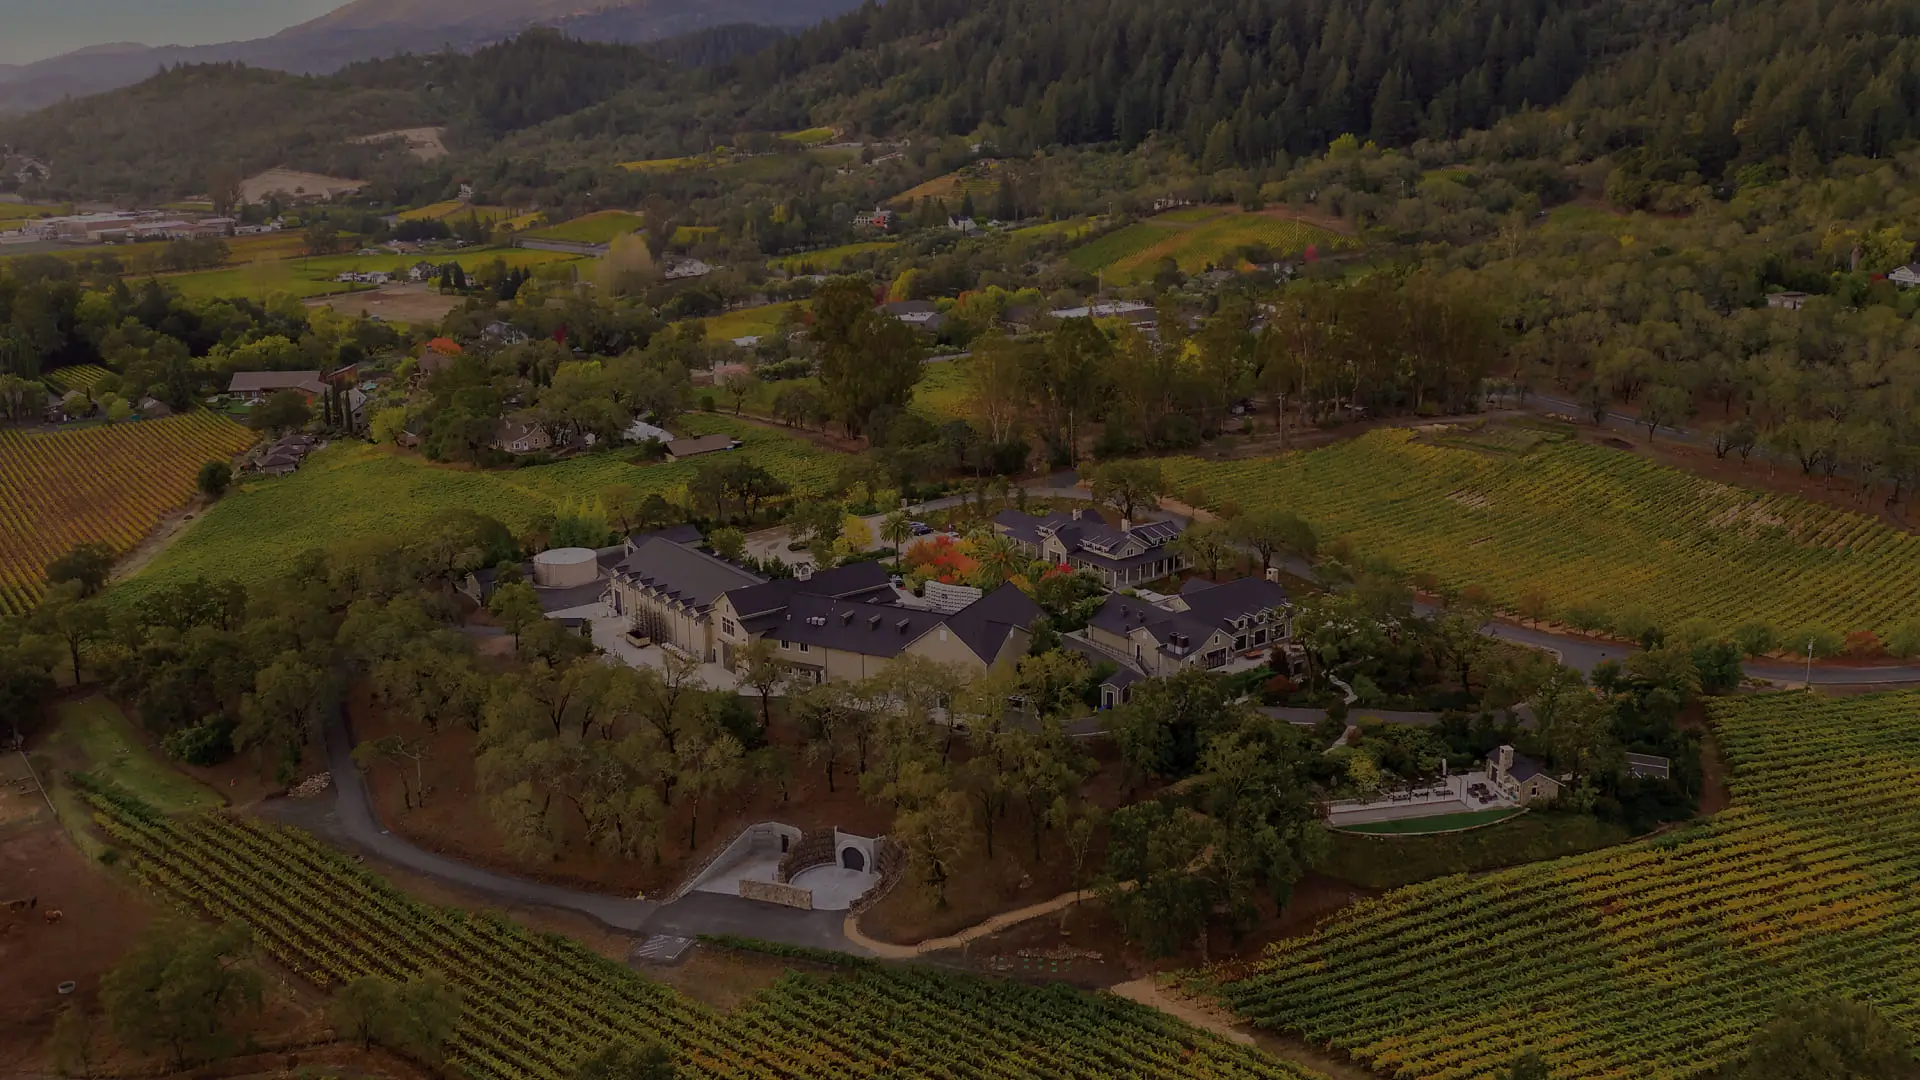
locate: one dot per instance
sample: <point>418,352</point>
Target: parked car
<point>920,528</point>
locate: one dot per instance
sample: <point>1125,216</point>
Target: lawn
<point>667,164</point>
<point>600,228</point>
<point>92,735</point>
<point>1390,860</point>
<point>1438,823</point>
<point>746,322</point>
<point>827,259</point>
<point>357,492</point>
<point>942,393</point>
<point>1070,229</point>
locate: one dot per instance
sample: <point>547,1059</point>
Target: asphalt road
<point>352,823</point>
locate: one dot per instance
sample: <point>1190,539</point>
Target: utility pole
<point>1809,678</point>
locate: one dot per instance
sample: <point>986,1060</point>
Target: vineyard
<point>356,492</point>
<point>827,259</point>
<point>534,1005</point>
<point>80,377</point>
<point>107,485</point>
<point>1196,238</point>
<point>600,228</point>
<point>1657,960</point>
<point>1593,532</point>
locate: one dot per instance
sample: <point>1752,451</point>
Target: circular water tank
<point>564,568</point>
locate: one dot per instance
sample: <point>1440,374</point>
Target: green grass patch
<point>1070,229</point>
<point>93,736</point>
<point>942,393</point>
<point>810,136</point>
<point>746,322</point>
<point>600,228</point>
<point>356,492</point>
<point>827,259</point>
<point>1390,861</point>
<point>13,211</point>
<point>307,277</point>
<point>1188,215</point>
<point>1438,823</point>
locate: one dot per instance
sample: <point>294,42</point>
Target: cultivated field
<point>1656,960</point>
<point>309,277</point>
<point>15,211</point>
<point>75,377</point>
<point>292,182</point>
<point>981,181</point>
<point>746,322</point>
<point>827,260</point>
<point>356,492</point>
<point>534,1005</point>
<point>108,485</point>
<point>419,304</point>
<point>1199,237</point>
<point>600,228</point>
<point>1596,534</point>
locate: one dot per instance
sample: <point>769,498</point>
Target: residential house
<point>1907,276</point>
<point>501,334</point>
<point>1521,778</point>
<point>255,387</point>
<point>422,272</point>
<point>1790,301</point>
<point>154,408</point>
<point>682,449</point>
<point>1206,626</point>
<point>1132,312</point>
<point>912,311</point>
<point>520,437</point>
<point>844,625</point>
<point>666,590</point>
<point>1128,554</point>
<point>877,218</point>
<point>965,226</point>
<point>283,456</point>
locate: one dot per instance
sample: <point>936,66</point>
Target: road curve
<point>354,823</point>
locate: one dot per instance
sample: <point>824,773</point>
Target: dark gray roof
<point>705,444</point>
<point>1222,604</point>
<point>882,630</point>
<point>1526,768</point>
<point>985,624</point>
<point>911,307</point>
<point>692,577</point>
<point>250,382</point>
<point>852,581</point>
<point>1649,766</point>
<point>686,535</point>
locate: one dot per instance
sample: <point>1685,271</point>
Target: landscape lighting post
<point>1809,664</point>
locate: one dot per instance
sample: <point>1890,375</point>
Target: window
<point>727,626</point>
<point>786,644</point>
<point>803,646</point>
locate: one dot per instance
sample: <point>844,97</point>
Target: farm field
<point>13,211</point>
<point>535,1004</point>
<point>1070,229</point>
<point>354,492</point>
<point>746,322</point>
<point>600,228</point>
<point>979,181</point>
<point>942,392</point>
<point>828,259</point>
<point>305,278</point>
<point>76,377</point>
<point>1655,960</point>
<point>1197,237</point>
<point>108,484</point>
<point>810,136</point>
<point>1596,534</point>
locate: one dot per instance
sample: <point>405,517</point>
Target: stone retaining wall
<point>815,848</point>
<point>785,895</point>
<point>892,867</point>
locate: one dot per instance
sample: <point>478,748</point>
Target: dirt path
<point>1002,921</point>
<point>1208,1016</point>
<point>170,528</point>
<point>1148,991</point>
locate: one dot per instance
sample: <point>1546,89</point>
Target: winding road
<point>352,823</point>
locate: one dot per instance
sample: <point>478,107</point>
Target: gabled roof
<point>1221,605</point>
<point>685,534</point>
<point>858,580</point>
<point>692,577</point>
<point>985,624</point>
<point>1526,768</point>
<point>705,444</point>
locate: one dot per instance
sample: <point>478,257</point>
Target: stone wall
<point>768,892</point>
<point>814,848</point>
<point>892,867</point>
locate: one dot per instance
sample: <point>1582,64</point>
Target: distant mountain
<point>372,29</point>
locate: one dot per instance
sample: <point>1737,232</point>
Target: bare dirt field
<point>421,304</point>
<point>100,917</point>
<point>424,143</point>
<point>294,183</point>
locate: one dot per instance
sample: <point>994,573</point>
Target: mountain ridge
<point>378,29</point>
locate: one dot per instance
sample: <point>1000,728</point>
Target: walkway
<point>889,951</point>
<point>352,823</point>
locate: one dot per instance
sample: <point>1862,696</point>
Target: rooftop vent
<point>873,622</point>
<point>846,618</point>
<point>902,625</point>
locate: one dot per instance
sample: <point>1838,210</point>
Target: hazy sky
<point>37,29</point>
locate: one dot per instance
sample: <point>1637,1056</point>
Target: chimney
<point>1078,513</point>
<point>1126,525</point>
<point>902,625</point>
